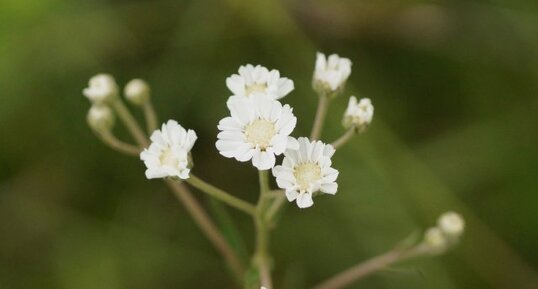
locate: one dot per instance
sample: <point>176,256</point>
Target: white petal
<point>279,143</point>
<point>330,188</point>
<point>304,200</point>
<point>292,195</point>
<point>263,160</point>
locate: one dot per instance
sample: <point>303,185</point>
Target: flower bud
<point>358,115</point>
<point>451,224</point>
<point>330,74</point>
<point>435,241</point>
<point>101,89</point>
<point>100,118</point>
<point>137,92</point>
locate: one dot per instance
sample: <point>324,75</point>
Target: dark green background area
<point>454,84</point>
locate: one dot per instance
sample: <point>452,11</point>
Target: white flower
<point>101,88</point>
<point>358,114</point>
<point>168,154</point>
<point>100,118</point>
<point>452,224</point>
<point>259,80</point>
<point>257,129</point>
<point>331,73</point>
<point>435,241</point>
<point>137,91</point>
<point>306,171</point>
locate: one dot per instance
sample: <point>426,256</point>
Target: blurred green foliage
<point>454,84</point>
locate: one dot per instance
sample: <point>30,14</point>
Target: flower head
<point>331,73</point>
<point>137,91</point>
<point>257,79</point>
<point>257,130</point>
<point>101,88</point>
<point>100,118</point>
<point>358,115</point>
<point>307,170</point>
<point>168,154</point>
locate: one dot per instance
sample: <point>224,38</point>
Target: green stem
<point>342,140</point>
<point>261,256</point>
<point>150,116</point>
<point>323,105</point>
<point>275,206</point>
<point>109,139</point>
<point>221,195</point>
<point>130,122</point>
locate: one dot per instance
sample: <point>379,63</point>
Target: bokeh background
<point>454,84</point>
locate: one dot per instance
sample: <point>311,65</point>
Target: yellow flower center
<point>167,158</point>
<point>255,87</point>
<point>260,132</point>
<point>306,173</point>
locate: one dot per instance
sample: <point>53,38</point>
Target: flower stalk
<point>221,195</point>
<point>343,139</point>
<point>319,120</point>
<point>261,257</point>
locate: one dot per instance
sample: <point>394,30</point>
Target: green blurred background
<point>454,84</point>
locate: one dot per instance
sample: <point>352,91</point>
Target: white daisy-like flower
<point>307,170</point>
<point>358,114</point>
<point>101,88</point>
<point>259,80</point>
<point>258,130</point>
<point>168,154</point>
<point>331,73</point>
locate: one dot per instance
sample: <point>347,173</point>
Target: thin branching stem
<point>150,116</point>
<point>261,255</point>
<point>130,122</point>
<point>342,140</point>
<point>221,195</point>
<point>112,141</point>
<point>323,106</point>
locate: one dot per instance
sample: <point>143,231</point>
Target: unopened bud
<point>358,114</point>
<point>137,91</point>
<point>452,225</point>
<point>435,241</point>
<point>101,89</point>
<point>330,74</point>
<point>100,118</point>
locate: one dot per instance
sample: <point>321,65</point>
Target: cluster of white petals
<point>358,114</point>
<point>305,171</point>
<point>331,73</point>
<point>101,88</point>
<point>168,154</point>
<point>258,130</point>
<point>256,80</point>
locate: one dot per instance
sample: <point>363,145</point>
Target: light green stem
<point>323,106</point>
<point>150,116</point>
<point>221,195</point>
<point>130,122</point>
<point>342,140</point>
<point>261,255</point>
<point>275,206</point>
<point>109,139</point>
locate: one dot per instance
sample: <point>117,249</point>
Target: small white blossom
<point>358,114</point>
<point>306,171</point>
<point>257,130</point>
<point>331,73</point>
<point>452,224</point>
<point>435,241</point>
<point>100,118</point>
<point>259,80</point>
<point>137,91</point>
<point>168,154</point>
<point>101,88</point>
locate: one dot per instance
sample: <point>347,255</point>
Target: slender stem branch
<point>150,116</point>
<point>261,255</point>
<point>342,140</point>
<point>275,206</point>
<point>368,267</point>
<point>221,195</point>
<point>109,139</point>
<point>130,122</point>
<point>202,219</point>
<point>323,105</point>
